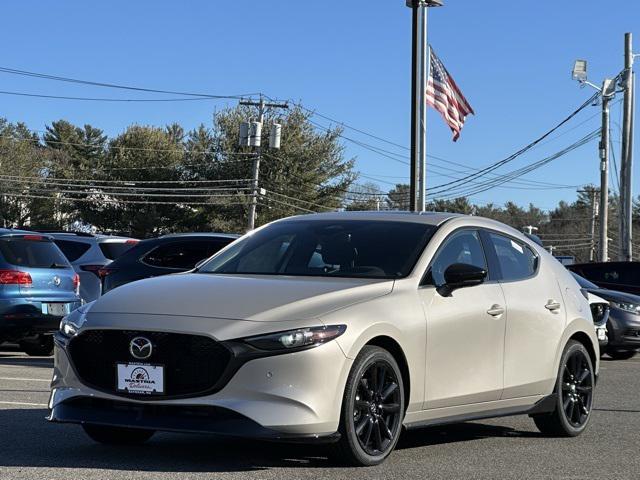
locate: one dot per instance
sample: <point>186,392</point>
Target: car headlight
<point>627,307</point>
<point>295,339</point>
<point>70,324</point>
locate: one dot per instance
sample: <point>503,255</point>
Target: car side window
<point>72,250</point>
<point>177,255</point>
<point>517,261</point>
<point>463,246</point>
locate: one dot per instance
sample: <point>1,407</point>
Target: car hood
<point>240,297</point>
<point>615,296</point>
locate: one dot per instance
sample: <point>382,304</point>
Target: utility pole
<point>626,195</point>
<point>530,229</point>
<point>603,247</point>
<point>607,92</point>
<point>419,47</point>
<point>254,139</point>
<point>593,195</point>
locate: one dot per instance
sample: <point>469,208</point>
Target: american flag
<point>444,95</point>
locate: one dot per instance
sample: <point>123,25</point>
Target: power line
<point>513,156</point>
<point>103,99</point>
<point>45,76</point>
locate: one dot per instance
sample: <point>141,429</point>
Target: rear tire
<point>42,346</point>
<point>117,435</point>
<point>372,409</point>
<point>621,354</point>
<point>574,394</point>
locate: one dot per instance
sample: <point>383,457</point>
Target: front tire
<point>42,346</point>
<point>574,394</point>
<point>372,409</point>
<point>117,435</point>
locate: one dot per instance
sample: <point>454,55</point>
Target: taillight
<point>131,242</point>
<point>95,269</point>
<point>104,271</point>
<point>76,283</point>
<point>15,277</point>
<point>34,238</point>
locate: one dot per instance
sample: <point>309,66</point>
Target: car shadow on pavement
<point>458,432</point>
<point>30,441</point>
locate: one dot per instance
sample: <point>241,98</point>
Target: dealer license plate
<point>141,379</point>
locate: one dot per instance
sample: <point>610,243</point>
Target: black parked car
<point>623,326</point>
<point>162,256</point>
<point>620,276</point>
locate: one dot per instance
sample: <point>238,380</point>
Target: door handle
<point>496,310</point>
<point>553,306</point>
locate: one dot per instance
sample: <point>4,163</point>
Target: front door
<point>465,331</point>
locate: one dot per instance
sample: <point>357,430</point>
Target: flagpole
<point>417,185</point>
<point>422,99</point>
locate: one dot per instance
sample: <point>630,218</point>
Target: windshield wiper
<point>57,265</point>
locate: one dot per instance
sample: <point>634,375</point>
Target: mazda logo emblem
<point>56,281</point>
<point>140,348</point>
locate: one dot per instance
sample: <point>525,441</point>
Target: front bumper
<point>170,418</point>
<point>623,329</point>
<point>291,396</point>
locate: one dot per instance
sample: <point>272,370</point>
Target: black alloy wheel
<point>372,408</point>
<point>574,394</point>
<point>376,408</point>
<point>577,388</point>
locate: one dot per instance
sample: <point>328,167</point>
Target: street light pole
<point>419,62</point>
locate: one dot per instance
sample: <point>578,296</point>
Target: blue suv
<point>38,287</point>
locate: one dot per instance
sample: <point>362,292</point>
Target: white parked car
<point>88,254</point>
<point>338,327</point>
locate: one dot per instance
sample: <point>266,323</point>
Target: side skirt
<point>544,405</point>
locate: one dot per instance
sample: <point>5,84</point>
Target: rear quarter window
<point>112,250</point>
<point>21,252</point>
<point>72,250</point>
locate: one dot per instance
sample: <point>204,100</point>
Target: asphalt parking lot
<point>503,448</point>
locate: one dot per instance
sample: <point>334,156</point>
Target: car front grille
<point>193,364</point>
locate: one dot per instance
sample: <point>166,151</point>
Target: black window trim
<point>484,235</point>
<point>490,277</point>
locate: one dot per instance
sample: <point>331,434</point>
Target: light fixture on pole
<point>607,92</point>
<point>418,100</point>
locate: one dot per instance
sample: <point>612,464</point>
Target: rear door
<point>52,277</point>
<point>535,316</point>
<point>465,330</point>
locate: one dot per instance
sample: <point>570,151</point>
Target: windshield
<point>347,248</point>
<point>583,282</point>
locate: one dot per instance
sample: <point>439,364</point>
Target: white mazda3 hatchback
<point>340,327</point>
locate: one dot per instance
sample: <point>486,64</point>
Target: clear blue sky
<point>349,60</point>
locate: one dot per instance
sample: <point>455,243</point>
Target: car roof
<point>12,231</point>
<point>199,234</point>
<point>429,218</point>
<point>97,236</point>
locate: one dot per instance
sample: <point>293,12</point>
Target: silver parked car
<point>88,253</point>
<point>338,327</point>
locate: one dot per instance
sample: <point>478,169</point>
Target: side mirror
<point>461,275</point>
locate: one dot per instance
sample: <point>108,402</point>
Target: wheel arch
<point>394,348</point>
<point>585,340</point>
